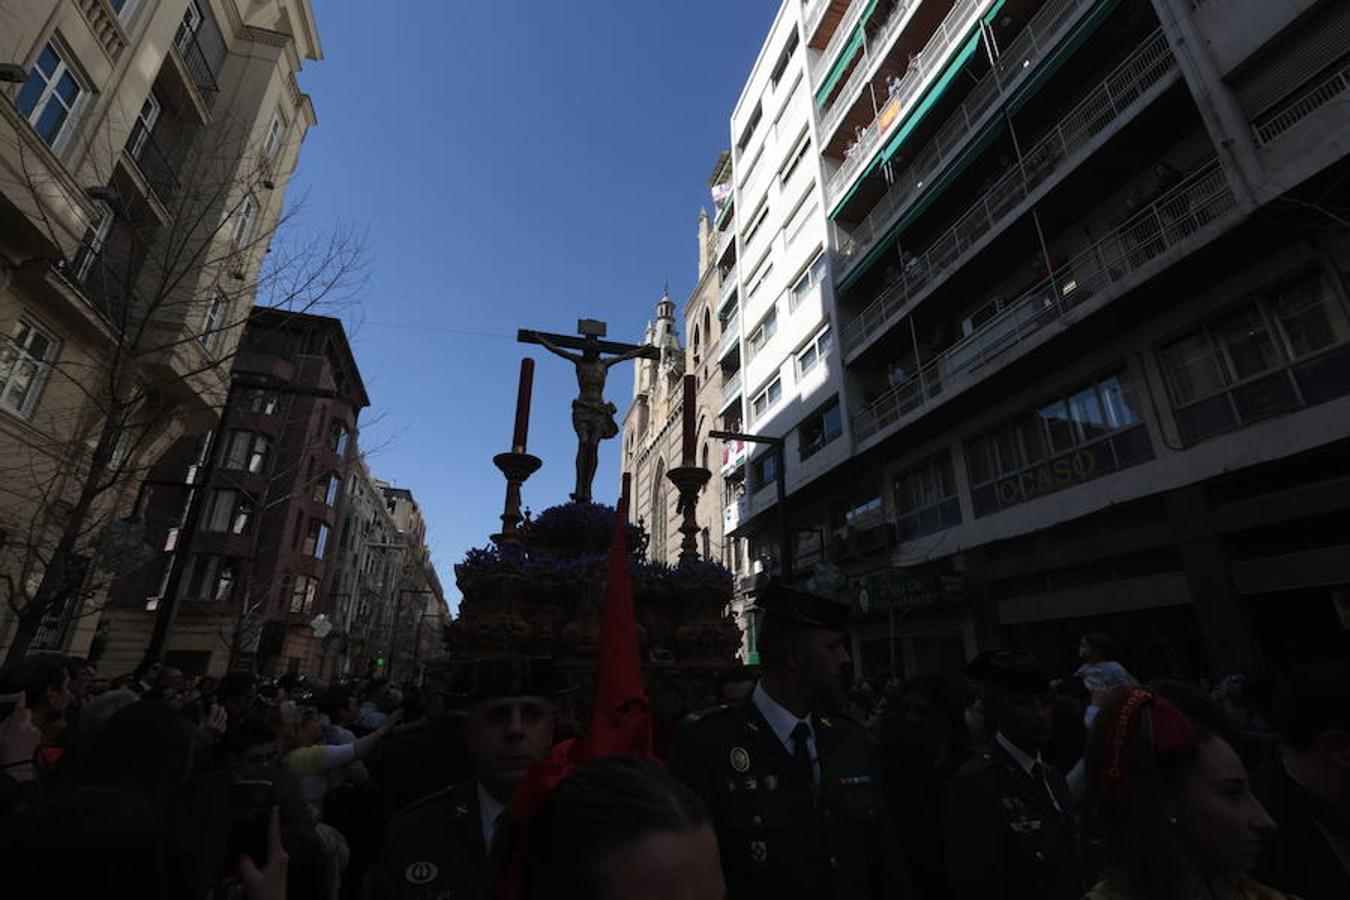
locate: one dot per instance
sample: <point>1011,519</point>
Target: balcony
<point>1116,100</point>
<point>847,24</point>
<point>875,51</point>
<point>158,171</point>
<point>731,385</point>
<point>1289,115</point>
<point>735,513</point>
<point>1174,224</point>
<point>731,335</point>
<point>815,12</point>
<point>923,70</point>
<point>1015,64</point>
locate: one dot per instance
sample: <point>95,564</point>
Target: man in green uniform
<point>793,790</point>
<point>438,847</point>
<point>1011,830</point>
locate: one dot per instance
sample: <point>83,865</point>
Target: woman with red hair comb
<point>1181,820</point>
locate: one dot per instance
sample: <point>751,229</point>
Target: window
<point>798,154</point>
<point>245,451</point>
<point>1280,352</point>
<point>766,329</point>
<point>246,218</point>
<point>187,29</point>
<point>755,224</point>
<point>24,361</point>
<point>51,96</point>
<point>750,128</point>
<point>783,58</point>
<point>814,352</point>
<point>213,320</point>
<point>145,124</point>
<point>759,277</point>
<point>800,219</point>
<point>213,577</point>
<point>257,400</point>
<point>925,498</point>
<point>316,539</point>
<point>1075,438</point>
<point>819,429</point>
<point>91,245</point>
<point>764,471</point>
<point>325,490</point>
<point>807,282</point>
<point>337,438</point>
<point>766,398</point>
<point>303,591</point>
<point>123,8</point>
<point>272,140</point>
<point>228,511</point>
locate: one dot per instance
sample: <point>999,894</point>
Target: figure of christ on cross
<point>592,415</point>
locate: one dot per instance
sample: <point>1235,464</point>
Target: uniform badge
<point>740,759</point>
<point>770,782</point>
<point>759,852</point>
<point>421,872</point>
<point>752,783</point>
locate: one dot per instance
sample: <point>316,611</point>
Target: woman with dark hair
<point>927,742</point>
<point>620,828</point>
<point>1181,821</point>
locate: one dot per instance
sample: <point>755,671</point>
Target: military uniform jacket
<point>433,850</point>
<point>1004,837</point>
<point>779,834</point>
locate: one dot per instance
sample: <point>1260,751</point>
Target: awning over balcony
<point>855,42</point>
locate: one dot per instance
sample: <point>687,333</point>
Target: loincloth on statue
<point>594,417</point>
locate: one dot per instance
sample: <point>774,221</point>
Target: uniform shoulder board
<point>709,712</point>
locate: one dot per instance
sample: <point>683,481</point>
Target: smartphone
<point>250,816</point>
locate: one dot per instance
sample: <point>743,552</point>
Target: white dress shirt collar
<point>1019,755</point>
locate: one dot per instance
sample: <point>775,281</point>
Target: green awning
<point>855,41</point>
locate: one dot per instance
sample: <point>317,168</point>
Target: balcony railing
<point>875,50</point>
<point>731,384</point>
<point>1104,109</point>
<point>103,284</point>
<point>1016,62</point>
<point>925,65</point>
<point>1305,105</point>
<point>822,63</point>
<point>731,333</point>
<point>198,69</point>
<point>1175,223</point>
<point>159,171</point>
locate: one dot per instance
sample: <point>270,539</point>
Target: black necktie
<point>801,753</point>
<point>1038,776</point>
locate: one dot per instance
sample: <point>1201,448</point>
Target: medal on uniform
<point>759,852</point>
<point>740,759</point>
<point>422,872</point>
<point>752,783</point>
<point>770,782</point>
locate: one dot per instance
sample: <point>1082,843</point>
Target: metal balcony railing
<point>847,23</point>
<point>103,284</point>
<point>875,50</point>
<point>731,384</point>
<point>731,333</point>
<point>160,172</point>
<point>1105,108</point>
<point>198,68</point>
<point>1175,223</point>
<point>1016,62</point>
<point>926,64</point>
<point>1289,115</point>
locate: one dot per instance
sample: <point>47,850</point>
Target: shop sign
<point>1052,475</point>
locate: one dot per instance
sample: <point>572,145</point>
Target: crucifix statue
<point>592,415</point>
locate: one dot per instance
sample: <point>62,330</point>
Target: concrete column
<point>1218,607</point>
<point>1224,119</point>
<point>988,632</point>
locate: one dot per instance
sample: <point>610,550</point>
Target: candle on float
<point>688,457</point>
<point>523,405</point>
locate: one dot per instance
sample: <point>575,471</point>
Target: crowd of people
<point>1009,782</point>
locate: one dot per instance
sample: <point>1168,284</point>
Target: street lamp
<point>780,482</point>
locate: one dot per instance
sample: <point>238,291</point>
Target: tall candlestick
<point>689,457</point>
<point>523,405</point>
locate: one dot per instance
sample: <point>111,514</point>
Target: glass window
<point>228,511</point>
<point>273,138</point>
<point>1120,411</point>
<point>1194,369</point>
<point>246,218</point>
<point>24,361</point>
<point>316,539</point>
<point>1247,340</point>
<point>819,430</point>
<point>1311,319</point>
<point>813,352</point>
<point>303,591</point>
<point>1087,413</point>
<point>337,438</point>
<point>1031,433</point>
<point>1058,426</point>
<point>213,320</point>
<point>766,398</point>
<point>978,462</point>
<point>1009,459</point>
<point>50,94</point>
<point>256,400</point>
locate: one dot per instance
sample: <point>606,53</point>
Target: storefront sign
<point>1052,475</point>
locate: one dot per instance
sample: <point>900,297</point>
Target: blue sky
<point>516,164</point>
